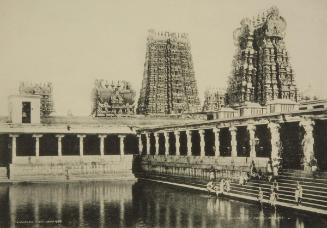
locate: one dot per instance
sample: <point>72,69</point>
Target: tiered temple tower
<point>261,69</point>
<point>168,84</point>
<point>112,98</point>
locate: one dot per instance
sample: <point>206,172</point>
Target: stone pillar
<point>177,133</point>
<point>308,142</point>
<point>275,140</point>
<point>233,141</point>
<point>148,143</point>
<point>166,134</point>
<point>139,137</point>
<point>37,145</point>
<point>59,138</point>
<point>13,147</point>
<point>217,141</point>
<point>251,128</point>
<point>81,144</point>
<point>122,144</point>
<point>156,137</point>
<point>202,143</point>
<point>189,142</point>
<point>102,137</point>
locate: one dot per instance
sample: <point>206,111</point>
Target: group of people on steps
<point>224,186</point>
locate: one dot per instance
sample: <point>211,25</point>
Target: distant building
<point>261,68</point>
<point>113,98</point>
<point>24,109</point>
<point>44,90</point>
<point>214,100</point>
<point>168,85</point>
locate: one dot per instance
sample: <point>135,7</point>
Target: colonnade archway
<point>5,148</point>
<point>291,135</point>
<point>25,145</point>
<point>225,142</point>
<point>50,144</point>
<point>183,143</point>
<point>320,135</point>
<point>263,145</point>
<point>243,142</point>
<point>293,144</point>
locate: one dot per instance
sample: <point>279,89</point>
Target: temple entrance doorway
<point>291,135</point>
<point>26,112</point>
<point>320,144</point>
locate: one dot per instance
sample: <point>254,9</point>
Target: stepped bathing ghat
<point>259,121</point>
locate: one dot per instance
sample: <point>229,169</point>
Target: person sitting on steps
<point>222,186</point>
<point>298,193</point>
<point>227,185</point>
<point>275,185</point>
<point>253,170</point>
<point>273,197</point>
<point>260,174</point>
<point>260,196</point>
<point>314,167</point>
<point>269,170</point>
<point>209,186</point>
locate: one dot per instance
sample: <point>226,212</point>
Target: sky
<point>73,42</point>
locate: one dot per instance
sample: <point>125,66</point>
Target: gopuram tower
<point>261,68</point>
<point>168,84</point>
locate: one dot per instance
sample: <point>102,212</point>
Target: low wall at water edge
<point>72,168</point>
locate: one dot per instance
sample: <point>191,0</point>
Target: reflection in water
<point>130,204</point>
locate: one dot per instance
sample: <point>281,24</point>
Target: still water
<point>132,204</point>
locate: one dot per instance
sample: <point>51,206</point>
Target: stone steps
<point>307,180</point>
<point>314,191</point>
<point>286,196</point>
<point>309,190</point>
<point>322,176</point>
<point>289,186</point>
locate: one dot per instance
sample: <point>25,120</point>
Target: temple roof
<point>88,124</point>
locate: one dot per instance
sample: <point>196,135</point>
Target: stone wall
<point>195,166</point>
<point>72,168</point>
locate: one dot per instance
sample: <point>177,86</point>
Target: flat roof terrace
<point>88,124</point>
<point>314,114</point>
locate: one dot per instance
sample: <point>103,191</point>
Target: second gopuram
<point>169,85</point>
<point>261,69</point>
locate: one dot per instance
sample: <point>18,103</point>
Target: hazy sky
<point>73,42</point>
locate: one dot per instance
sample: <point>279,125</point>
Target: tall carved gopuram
<point>112,98</point>
<point>261,69</point>
<point>168,85</point>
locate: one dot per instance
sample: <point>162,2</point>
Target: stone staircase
<point>314,189</point>
<point>314,193</point>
